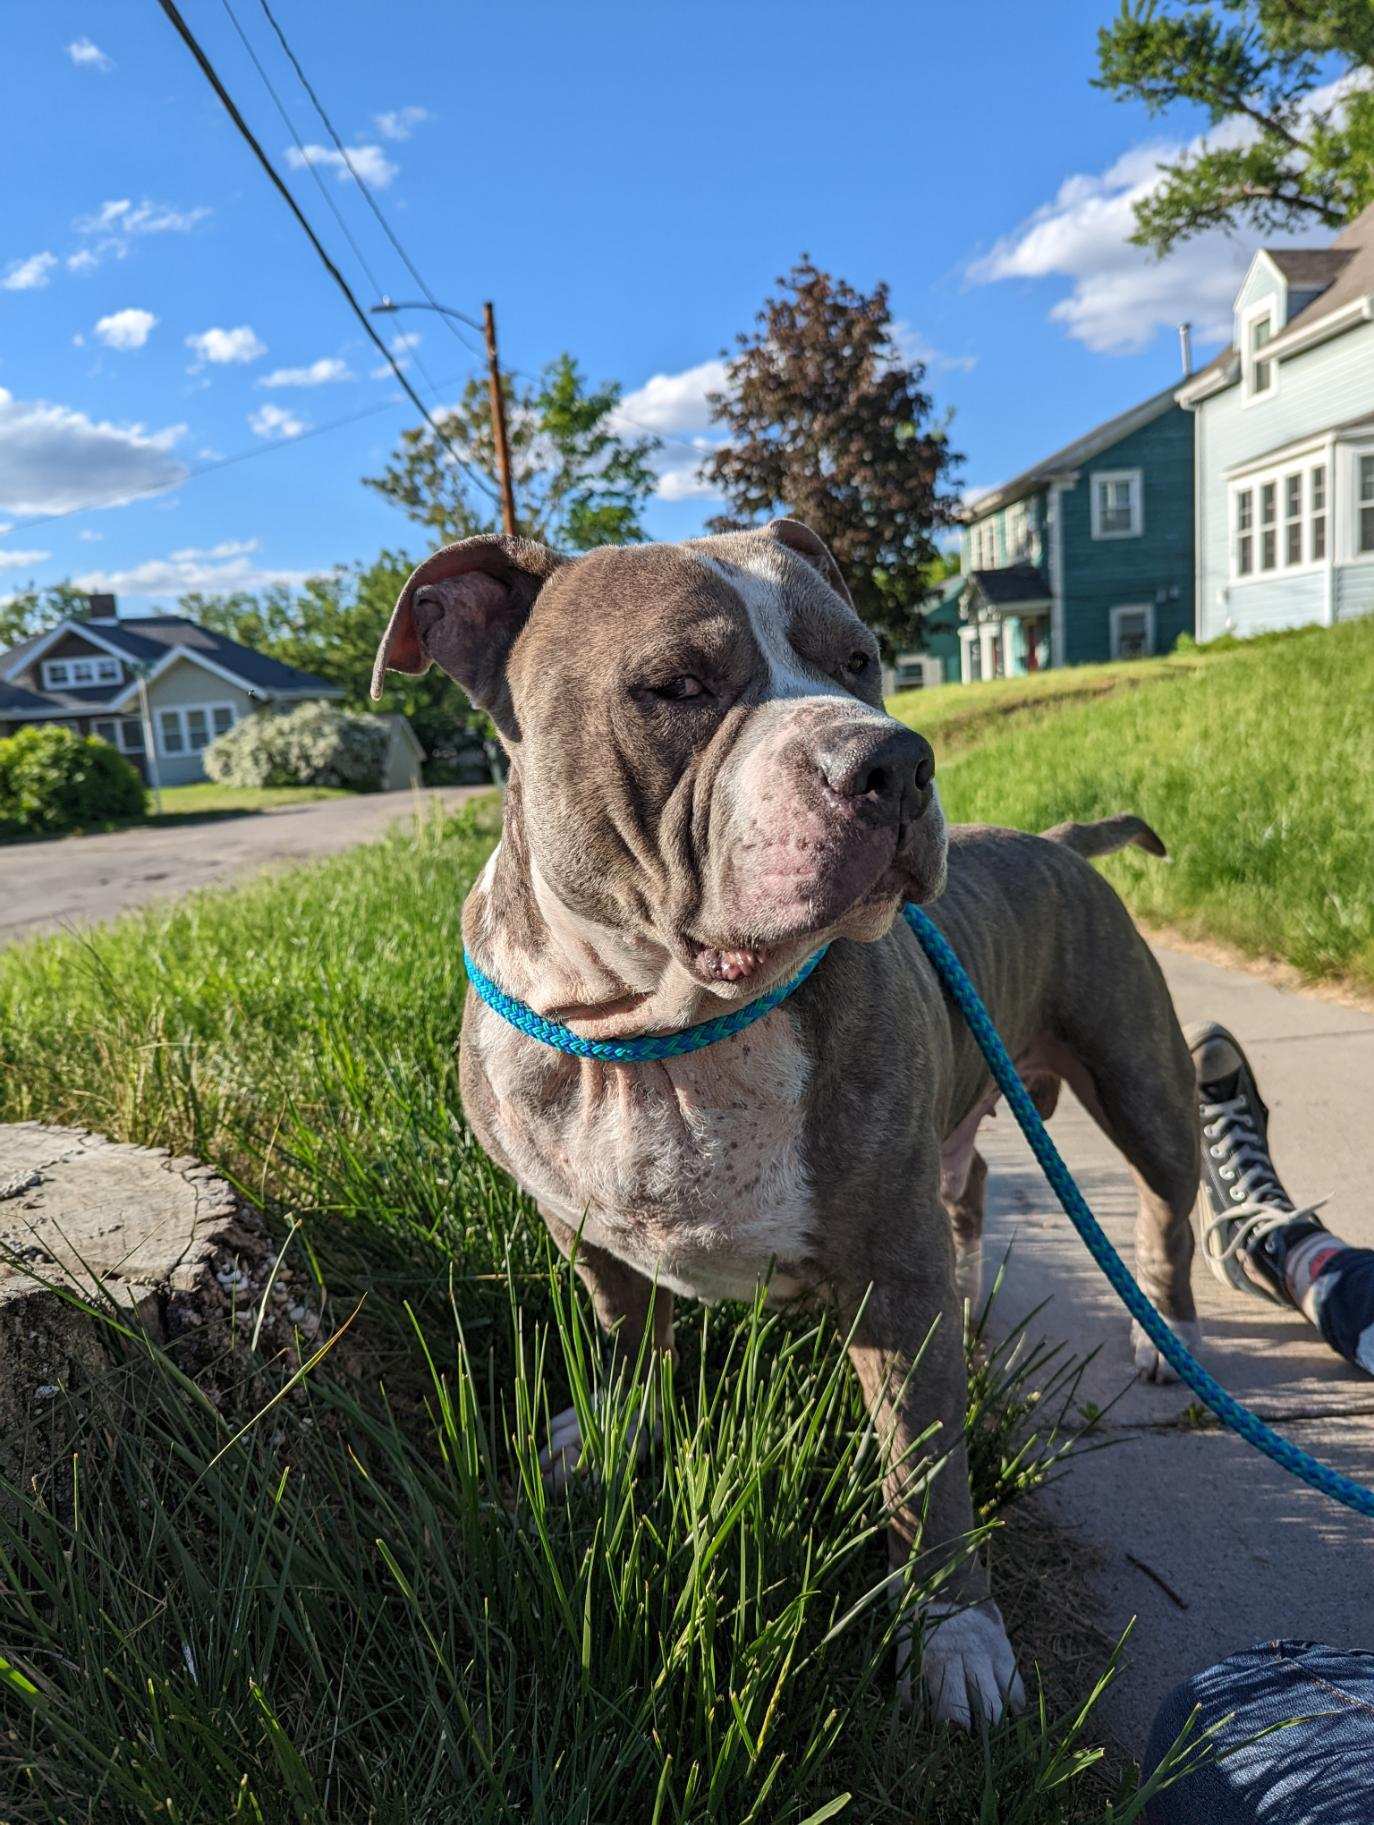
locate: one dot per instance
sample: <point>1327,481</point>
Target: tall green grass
<point>1257,768</point>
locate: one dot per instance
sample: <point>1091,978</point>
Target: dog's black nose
<point>883,765</point>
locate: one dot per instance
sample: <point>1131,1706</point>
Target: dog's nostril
<point>876,781</point>
<point>925,771</point>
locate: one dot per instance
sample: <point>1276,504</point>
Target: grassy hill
<point>1255,762</point>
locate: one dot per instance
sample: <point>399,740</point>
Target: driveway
<point>82,880</point>
<point>1245,1551</point>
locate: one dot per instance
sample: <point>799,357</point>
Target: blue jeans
<point>1316,1772</point>
<point>1344,1292</point>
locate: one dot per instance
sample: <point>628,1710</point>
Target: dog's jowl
<point>704,790</point>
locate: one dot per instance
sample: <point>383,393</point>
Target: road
<point>1246,1552</point>
<point>82,880</point>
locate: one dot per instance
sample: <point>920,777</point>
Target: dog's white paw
<point>1147,1358</point>
<point>561,1458</point>
<point>967,1664</point>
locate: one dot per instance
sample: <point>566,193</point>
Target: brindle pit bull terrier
<point>704,789</point>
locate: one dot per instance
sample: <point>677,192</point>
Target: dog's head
<point>703,757</point>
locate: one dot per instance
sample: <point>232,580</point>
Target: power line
<point>211,75</point>
<point>240,456</point>
<point>363,186</point>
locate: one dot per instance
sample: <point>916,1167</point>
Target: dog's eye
<point>679,690</point>
<point>856,664</point>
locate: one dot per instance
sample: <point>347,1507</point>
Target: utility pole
<point>498,423</point>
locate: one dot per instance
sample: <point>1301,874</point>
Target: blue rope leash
<point>1251,1428</point>
<point>637,1048</point>
<point>955,977</point>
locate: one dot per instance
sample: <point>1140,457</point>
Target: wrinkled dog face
<point>703,759</point>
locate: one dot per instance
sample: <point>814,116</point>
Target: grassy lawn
<point>1255,764</point>
<point>360,1606</point>
<point>205,797</point>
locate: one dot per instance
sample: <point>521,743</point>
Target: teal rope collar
<point>959,987</point>
<point>637,1048</point>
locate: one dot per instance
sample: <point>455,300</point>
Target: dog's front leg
<point>918,1410</point>
<point>626,1306</point>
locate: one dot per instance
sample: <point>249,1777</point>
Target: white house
<point>1284,446</point>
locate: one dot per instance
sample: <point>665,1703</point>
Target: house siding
<point>183,684</point>
<point>1155,568</point>
<point>1330,384</point>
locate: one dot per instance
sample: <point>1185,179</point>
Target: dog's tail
<point>1106,835</point>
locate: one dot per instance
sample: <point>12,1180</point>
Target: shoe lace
<point>1259,1203</point>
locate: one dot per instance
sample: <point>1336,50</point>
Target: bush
<point>52,779</point>
<point>312,744</point>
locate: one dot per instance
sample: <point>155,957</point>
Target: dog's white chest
<point>692,1171</point>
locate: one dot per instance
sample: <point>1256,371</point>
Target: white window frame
<point>182,711</point>
<point>1350,505</point>
<point>1018,533</point>
<point>1133,608</point>
<point>122,725</point>
<point>1135,483</point>
<point>1277,477</point>
<point>60,674</point>
<point>1250,395</point>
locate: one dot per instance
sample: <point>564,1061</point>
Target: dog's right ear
<point>462,609</point>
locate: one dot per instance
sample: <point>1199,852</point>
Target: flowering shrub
<point>311,744</point>
<point>53,779</point>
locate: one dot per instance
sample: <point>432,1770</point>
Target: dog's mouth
<point>715,965</point>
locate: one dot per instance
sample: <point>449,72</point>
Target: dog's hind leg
<point>965,1211</point>
<point>1136,1080</point>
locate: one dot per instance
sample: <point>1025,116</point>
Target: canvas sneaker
<point>1247,1223</point>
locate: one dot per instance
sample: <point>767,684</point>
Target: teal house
<point>937,660</point>
<point>1087,555</point>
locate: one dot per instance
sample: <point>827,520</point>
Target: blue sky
<point>625,181</point>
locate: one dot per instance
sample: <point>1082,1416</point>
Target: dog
<point>704,789</point>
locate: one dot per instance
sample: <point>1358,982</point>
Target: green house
<point>937,660</point>
<point>1087,555</point>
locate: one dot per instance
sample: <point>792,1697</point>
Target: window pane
<point>169,728</point>
<point>1130,635</point>
<point>1269,547</point>
<point>1319,488</point>
<point>1268,503</point>
<point>83,672</point>
<point>1318,536</point>
<point>1245,555</point>
<point>105,730</point>
<point>222,717</point>
<point>1366,529</point>
<point>1366,478</point>
<point>198,728</point>
<point>1245,510</point>
<point>57,672</point>
<point>131,735</point>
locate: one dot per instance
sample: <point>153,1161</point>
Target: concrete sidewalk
<point>81,880</point>
<point>1246,1552</point>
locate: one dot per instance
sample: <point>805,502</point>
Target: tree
<point>32,611</point>
<point>1286,85</point>
<point>828,423</point>
<point>579,480</point>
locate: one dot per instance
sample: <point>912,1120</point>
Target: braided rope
<point>638,1047</point>
<point>1251,1428</point>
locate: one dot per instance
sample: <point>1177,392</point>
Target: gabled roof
<point>1065,461</point>
<point>15,701</point>
<point>1345,272</point>
<point>152,639</point>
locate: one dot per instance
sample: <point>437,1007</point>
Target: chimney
<point>101,608</point>
<point>1185,347</point>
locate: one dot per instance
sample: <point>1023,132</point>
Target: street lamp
<point>388,306</point>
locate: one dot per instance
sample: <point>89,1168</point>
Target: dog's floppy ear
<point>462,609</point>
<point>813,549</point>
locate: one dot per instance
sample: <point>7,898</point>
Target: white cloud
<point>911,345</point>
<point>112,229</point>
<point>126,329</point>
<point>88,56</point>
<point>369,163</point>
<point>317,374</point>
<point>683,481</point>
<point>20,560</point>
<point>53,458</point>
<point>232,564</point>
<point>222,346</point>
<point>30,274</point>
<point>405,340</point>
<point>400,123</point>
<point>89,537</point>
<point>671,402</point>
<point>1121,295</point>
<point>275,421</point>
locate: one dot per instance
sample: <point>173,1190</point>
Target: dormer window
<point>1260,375</point>
<point>78,674</point>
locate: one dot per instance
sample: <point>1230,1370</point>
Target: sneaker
<point>1247,1222</point>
